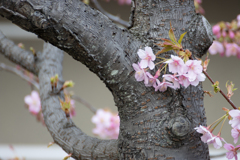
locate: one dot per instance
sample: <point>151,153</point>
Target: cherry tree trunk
<point>153,125</point>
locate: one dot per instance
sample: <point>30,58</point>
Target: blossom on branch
<point>33,101</point>
<point>176,65</point>
<point>147,57</point>
<point>140,74</point>
<point>232,151</point>
<point>235,122</point>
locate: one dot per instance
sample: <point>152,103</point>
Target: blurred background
<point>19,127</point>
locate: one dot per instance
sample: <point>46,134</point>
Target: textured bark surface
<point>154,125</point>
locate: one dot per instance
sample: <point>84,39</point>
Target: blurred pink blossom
<point>33,101</point>
<point>216,47</point>
<point>232,49</point>
<point>147,57</point>
<point>72,108</point>
<point>216,30</point>
<point>122,2</point>
<point>235,122</point>
<point>232,151</point>
<point>235,134</point>
<point>107,124</point>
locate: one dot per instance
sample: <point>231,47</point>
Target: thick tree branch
<point>62,129</point>
<point>16,54</point>
<point>84,33</point>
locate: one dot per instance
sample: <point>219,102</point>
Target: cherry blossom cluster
<point>33,103</point>
<point>228,39</point>
<point>209,138</point>
<point>107,124</point>
<point>185,74</point>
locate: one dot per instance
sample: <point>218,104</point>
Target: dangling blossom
<point>140,74</point>
<point>232,151</point>
<point>162,87</point>
<point>216,47</point>
<point>173,79</point>
<point>151,79</point>
<point>34,103</point>
<point>216,141</point>
<point>235,122</point>
<point>107,124</point>
<point>207,135</point>
<point>235,134</point>
<point>147,57</point>
<point>194,68</point>
<point>176,65</point>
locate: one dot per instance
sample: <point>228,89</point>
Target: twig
<point>110,16</point>
<point>229,101</point>
<point>85,103</point>
<point>19,73</point>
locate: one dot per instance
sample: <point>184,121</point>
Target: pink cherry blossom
<point>140,74</point>
<point>235,134</point>
<point>184,80</point>
<point>216,31</point>
<point>235,122</point>
<point>206,134</point>
<point>33,102</point>
<point>107,124</point>
<point>194,68</point>
<point>176,65</point>
<point>200,78</point>
<point>173,79</point>
<point>162,87</point>
<point>216,47</point>
<point>232,151</point>
<point>231,34</point>
<point>147,57</point>
<point>151,79</point>
<point>232,49</point>
<point>216,141</point>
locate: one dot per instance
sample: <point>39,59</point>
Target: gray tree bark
<point>153,125</point>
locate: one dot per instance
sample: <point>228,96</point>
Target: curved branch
<point>84,33</point>
<point>62,129</point>
<point>16,54</point>
<point>110,16</point>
